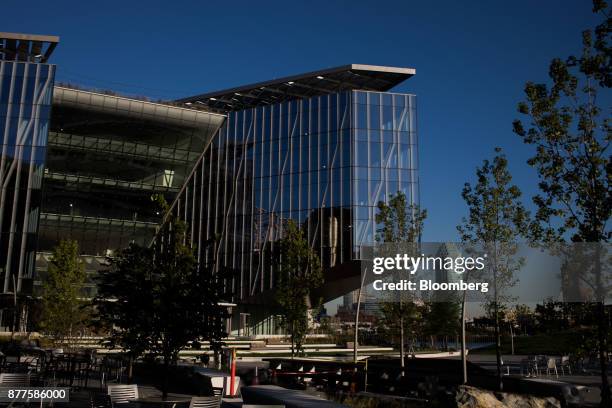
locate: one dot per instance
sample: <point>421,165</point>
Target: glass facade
<point>385,156</point>
<point>26,91</point>
<point>107,155</point>
<point>324,162</point>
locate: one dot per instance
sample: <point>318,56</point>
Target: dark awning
<point>347,77</point>
<point>27,47</point>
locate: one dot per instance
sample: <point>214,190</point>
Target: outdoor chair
<point>507,367</point>
<point>565,363</point>
<point>541,363</point>
<point>112,369</point>
<point>551,365</point>
<point>205,402</point>
<point>122,393</point>
<point>29,363</point>
<point>530,365</point>
<point>14,379</point>
<point>100,401</point>
<point>205,359</point>
<point>82,368</point>
<point>525,366</point>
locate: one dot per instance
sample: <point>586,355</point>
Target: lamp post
<point>233,373</point>
<point>356,340</point>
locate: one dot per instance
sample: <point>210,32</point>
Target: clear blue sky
<point>472,60</point>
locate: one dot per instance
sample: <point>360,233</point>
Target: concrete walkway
<point>273,394</point>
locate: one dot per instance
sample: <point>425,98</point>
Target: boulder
<point>471,397</point>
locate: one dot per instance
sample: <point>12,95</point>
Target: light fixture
<point>290,83</point>
<point>319,77</point>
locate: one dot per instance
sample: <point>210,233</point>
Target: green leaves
<point>496,220</point>
<point>299,272</point>
<point>399,221</point>
<point>63,311</point>
<point>495,212</point>
<point>572,141</point>
<point>159,299</point>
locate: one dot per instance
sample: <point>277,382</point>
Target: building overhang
<point>135,109</point>
<point>27,47</point>
<point>327,81</point>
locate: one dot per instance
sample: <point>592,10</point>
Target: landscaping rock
<point>471,397</point>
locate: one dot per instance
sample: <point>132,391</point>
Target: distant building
<point>447,250</point>
<point>350,299</point>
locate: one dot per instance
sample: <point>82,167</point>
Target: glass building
<point>316,149</point>
<point>26,89</point>
<point>80,165</point>
<point>107,155</point>
<point>321,148</point>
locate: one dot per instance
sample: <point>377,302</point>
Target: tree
<point>571,135</point>
<point>400,223</point>
<point>62,303</point>
<point>156,300</point>
<point>299,273</point>
<point>524,318</point>
<point>550,316</point>
<point>496,218</point>
<point>442,318</point>
<point>124,303</point>
<point>402,321</point>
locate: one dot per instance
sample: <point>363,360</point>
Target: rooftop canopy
<point>26,47</point>
<point>347,77</point>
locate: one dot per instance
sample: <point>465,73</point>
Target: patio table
<point>219,379</point>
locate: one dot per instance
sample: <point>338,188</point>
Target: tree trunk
<point>130,374</point>
<point>166,377</point>
<point>500,384</point>
<point>463,346</point>
<point>292,341</point>
<point>69,342</point>
<point>356,339</point>
<point>603,354</point>
<point>402,344</point>
<point>602,332</point>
